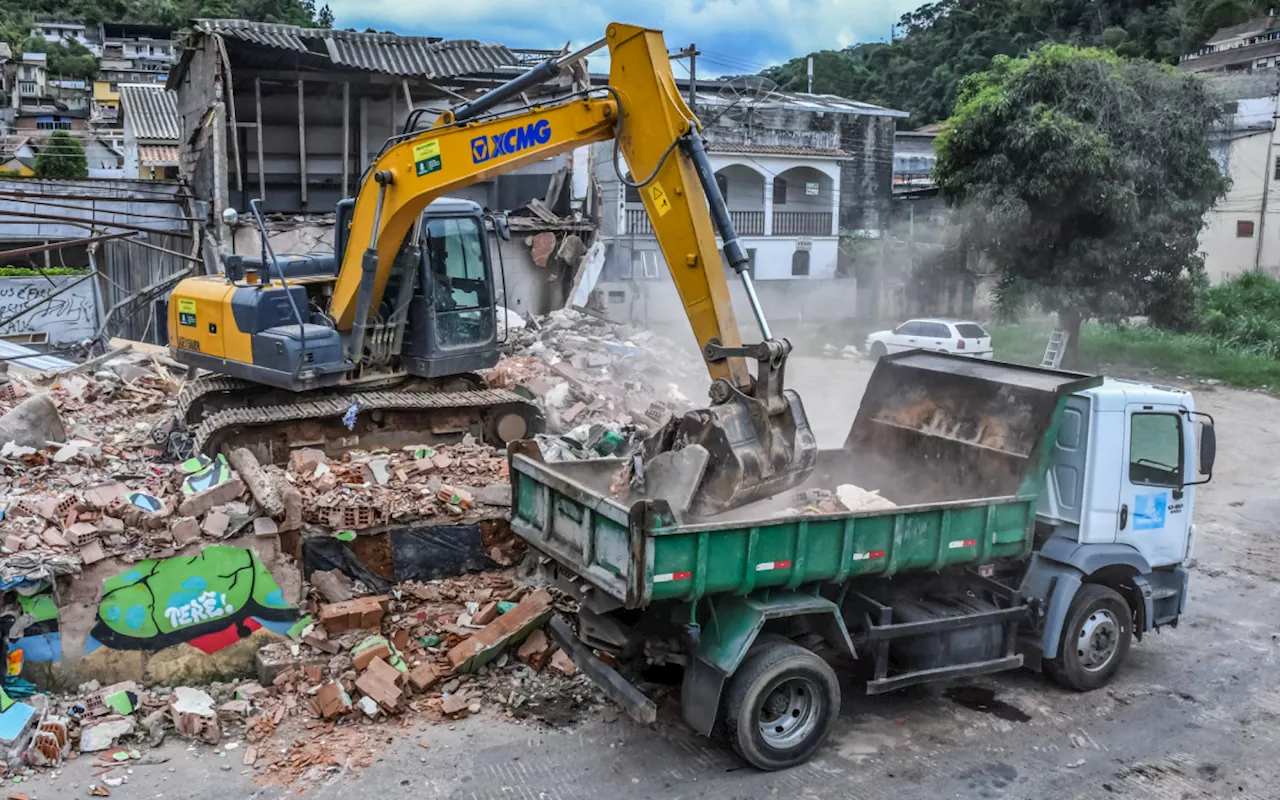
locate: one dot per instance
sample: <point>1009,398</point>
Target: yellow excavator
<point>379,344</point>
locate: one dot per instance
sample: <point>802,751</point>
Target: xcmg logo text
<point>506,143</point>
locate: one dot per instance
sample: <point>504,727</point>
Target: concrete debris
<point>333,584</point>
<point>855,498</point>
<point>194,716</point>
<point>582,370</point>
<point>33,423</point>
<point>103,734</point>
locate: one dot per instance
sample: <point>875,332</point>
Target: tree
<point>61,158</point>
<point>325,18</point>
<point>941,42</point>
<point>66,59</point>
<point>1084,177</point>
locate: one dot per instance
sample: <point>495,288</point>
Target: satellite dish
<point>749,100</point>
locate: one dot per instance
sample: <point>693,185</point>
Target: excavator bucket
<point>759,443</point>
<point>753,455</point>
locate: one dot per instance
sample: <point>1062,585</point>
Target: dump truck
<point>1038,519</point>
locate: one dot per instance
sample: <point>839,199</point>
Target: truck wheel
<point>781,705</point>
<point>1095,639</point>
<point>878,351</point>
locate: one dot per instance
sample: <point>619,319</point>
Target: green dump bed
<point>961,445</point>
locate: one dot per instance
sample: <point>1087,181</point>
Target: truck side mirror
<point>1208,448</point>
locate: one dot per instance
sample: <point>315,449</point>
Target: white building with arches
<point>802,175</point>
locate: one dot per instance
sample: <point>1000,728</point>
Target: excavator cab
<point>438,312</point>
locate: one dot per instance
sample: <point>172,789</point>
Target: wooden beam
<point>262,170</point>
<point>302,145</point>
<point>346,137</point>
<point>408,98</point>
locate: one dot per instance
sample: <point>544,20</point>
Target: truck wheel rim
<point>789,713</point>
<point>1099,636</point>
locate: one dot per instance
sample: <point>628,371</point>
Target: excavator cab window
<point>459,285</point>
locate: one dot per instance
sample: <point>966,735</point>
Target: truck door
<point>1153,515</point>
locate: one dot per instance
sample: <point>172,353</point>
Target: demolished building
<point>293,116</point>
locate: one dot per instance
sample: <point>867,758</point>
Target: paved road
<point>1194,714</point>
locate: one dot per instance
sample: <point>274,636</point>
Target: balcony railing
<point>747,223</point>
<point>638,222</point>
<point>802,223</point>
<point>751,223</point>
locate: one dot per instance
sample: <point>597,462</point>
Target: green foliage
<point>944,41</point>
<point>1244,314</point>
<point>61,158</point>
<point>16,271</point>
<point>66,59</point>
<point>1144,352</point>
<point>16,18</point>
<point>1084,177</point>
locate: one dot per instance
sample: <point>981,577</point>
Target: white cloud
<point>736,35</point>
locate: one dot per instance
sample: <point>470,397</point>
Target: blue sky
<point>736,36</point>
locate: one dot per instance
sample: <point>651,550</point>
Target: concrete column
<point>768,205</point>
<point>835,204</point>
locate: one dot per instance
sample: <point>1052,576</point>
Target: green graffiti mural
<point>41,641</point>
<point>210,601</point>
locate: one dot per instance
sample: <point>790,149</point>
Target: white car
<point>944,335</point>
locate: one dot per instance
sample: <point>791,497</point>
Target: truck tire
<point>781,704</point>
<point>1095,639</point>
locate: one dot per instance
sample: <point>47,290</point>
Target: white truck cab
<point>1116,512</point>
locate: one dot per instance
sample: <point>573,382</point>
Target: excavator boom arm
<point>642,109</point>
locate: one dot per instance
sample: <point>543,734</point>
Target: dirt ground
<point>1195,713</point>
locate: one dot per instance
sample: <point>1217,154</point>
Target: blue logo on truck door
<point>510,141</point>
<point>1150,511</point>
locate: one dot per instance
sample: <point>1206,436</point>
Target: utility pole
<point>691,53</point>
<point>810,74</point>
<point>1268,175</point>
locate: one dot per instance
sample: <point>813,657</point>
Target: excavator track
<point>381,419</point>
<point>195,393</point>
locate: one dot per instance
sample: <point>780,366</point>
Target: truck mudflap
<point>727,634</point>
<point>632,700</point>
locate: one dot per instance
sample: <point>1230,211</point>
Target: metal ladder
<point>1053,353</point>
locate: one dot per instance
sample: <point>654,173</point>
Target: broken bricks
<point>511,627</point>
<point>379,683</point>
<point>362,612</point>
<point>332,700</point>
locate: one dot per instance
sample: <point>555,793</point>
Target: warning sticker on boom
<point>187,313</point>
<point>426,157</point>
<point>660,202</point>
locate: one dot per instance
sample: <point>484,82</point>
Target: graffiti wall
<point>70,317</point>
<point>41,641</point>
<point>208,601</point>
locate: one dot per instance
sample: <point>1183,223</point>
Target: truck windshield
<point>460,291</point>
<point>1155,450</point>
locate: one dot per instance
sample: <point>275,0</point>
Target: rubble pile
<point>425,652</point>
<point>581,369</point>
<point>452,481</point>
<point>90,488</point>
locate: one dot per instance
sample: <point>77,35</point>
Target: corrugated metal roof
<point>713,95</point>
<point>152,108</point>
<point>115,201</point>
<point>158,154</point>
<point>1233,55</point>
<point>1258,24</point>
<point>776,150</point>
<point>388,53</point>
